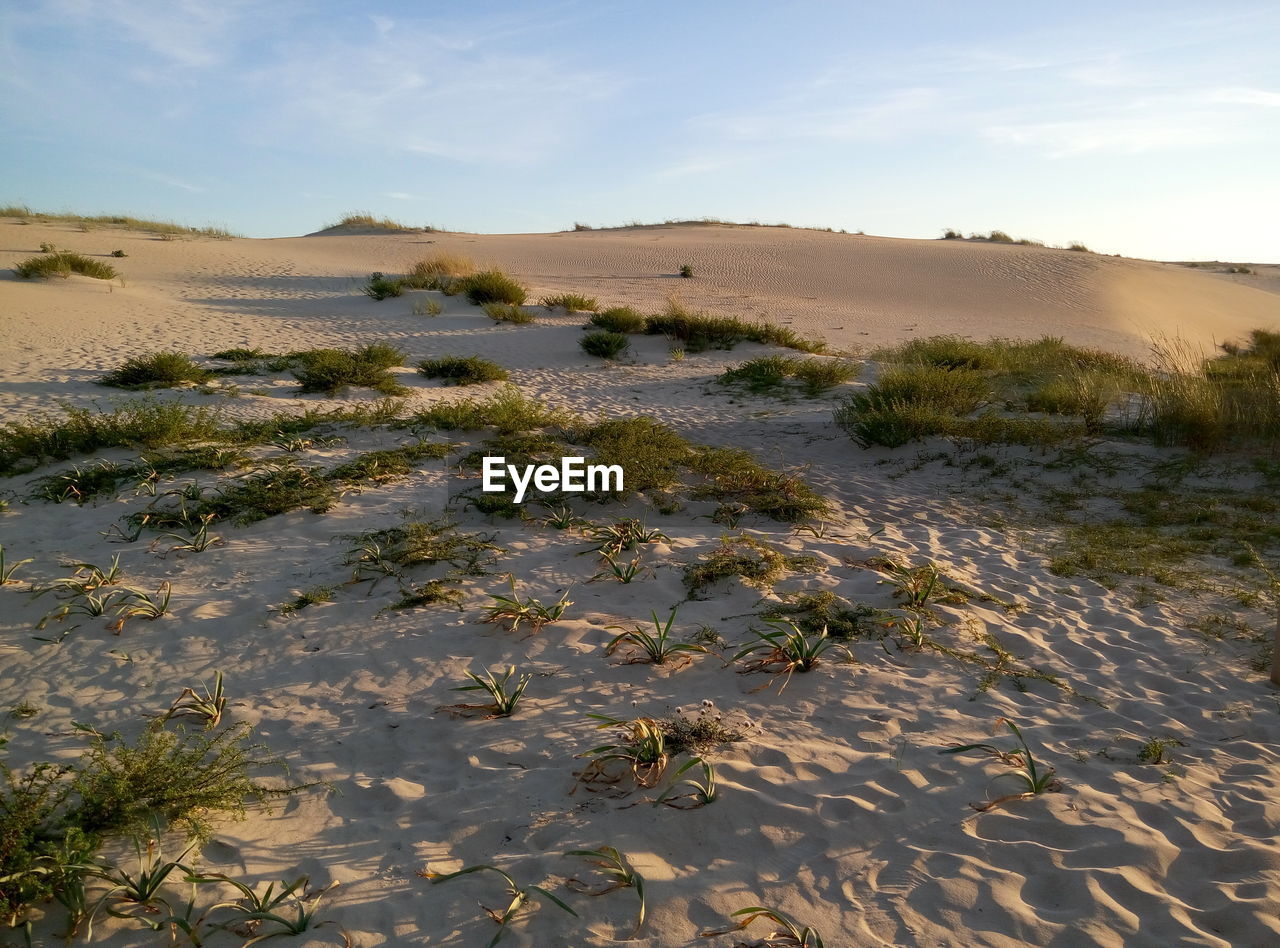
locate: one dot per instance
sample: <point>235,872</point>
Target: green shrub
<point>331,370</point>
<point>735,476</point>
<point>571,302</point>
<point>999,237</point>
<point>606,345</point>
<point>1078,247</point>
<point>380,287</point>
<point>686,271</point>
<point>620,319</point>
<point>118,253</point>
<point>456,370</point>
<point>508,313</point>
<point>492,286</point>
<point>156,370</point>
<point>63,263</point>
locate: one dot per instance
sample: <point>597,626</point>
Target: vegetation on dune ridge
<point>123,221</point>
<point>363,220</point>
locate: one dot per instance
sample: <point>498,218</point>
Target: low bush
<point>699,332</point>
<point>571,302</point>
<point>492,286</point>
<point>63,263</point>
<point>156,370</point>
<point>771,372</point>
<point>620,319</point>
<point>508,313</point>
<point>26,444</point>
<point>456,370</point>
<point>331,370</point>
<point>604,344</point>
<point>381,287</point>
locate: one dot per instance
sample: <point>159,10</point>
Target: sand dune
<point>838,806</point>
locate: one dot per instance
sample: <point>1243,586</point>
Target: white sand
<point>838,809</point>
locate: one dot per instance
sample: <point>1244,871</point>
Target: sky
<point>1148,129</point>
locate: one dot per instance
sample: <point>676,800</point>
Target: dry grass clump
<point>63,263</point>
<point>438,271</point>
<point>508,313</point>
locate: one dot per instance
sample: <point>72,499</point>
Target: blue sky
<point>1151,129</point>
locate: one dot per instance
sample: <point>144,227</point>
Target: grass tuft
<point>456,370</point>
<point>156,370</point>
<point>606,345</point>
<point>63,263</point>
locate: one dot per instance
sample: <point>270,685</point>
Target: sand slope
<point>838,807</point>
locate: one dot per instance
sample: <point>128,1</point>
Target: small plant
<point>519,896</point>
<point>618,870</point>
<point>918,586</point>
<point>199,539</point>
<point>438,272</point>
<point>508,313</point>
<point>208,707</point>
<point>256,909</point>
<point>46,247</point>
<point>790,935</point>
<point>787,649</point>
<point>492,286</point>
<point>1154,750</point>
<point>308,597</point>
<point>698,793</point>
<point>427,308</point>
<point>676,353</point>
<point>380,287</point>
<point>519,611</point>
<point>118,253</point>
<point>605,345</point>
<point>686,270</point>
<point>643,755</point>
<point>653,647</point>
<point>560,518</point>
<point>1034,779</point>
<point>622,572</point>
<point>137,603</point>
<point>571,302</point>
<point>504,701</point>
<point>456,370</point>
<point>624,536</point>
<point>7,569</point>
<point>137,897</point>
